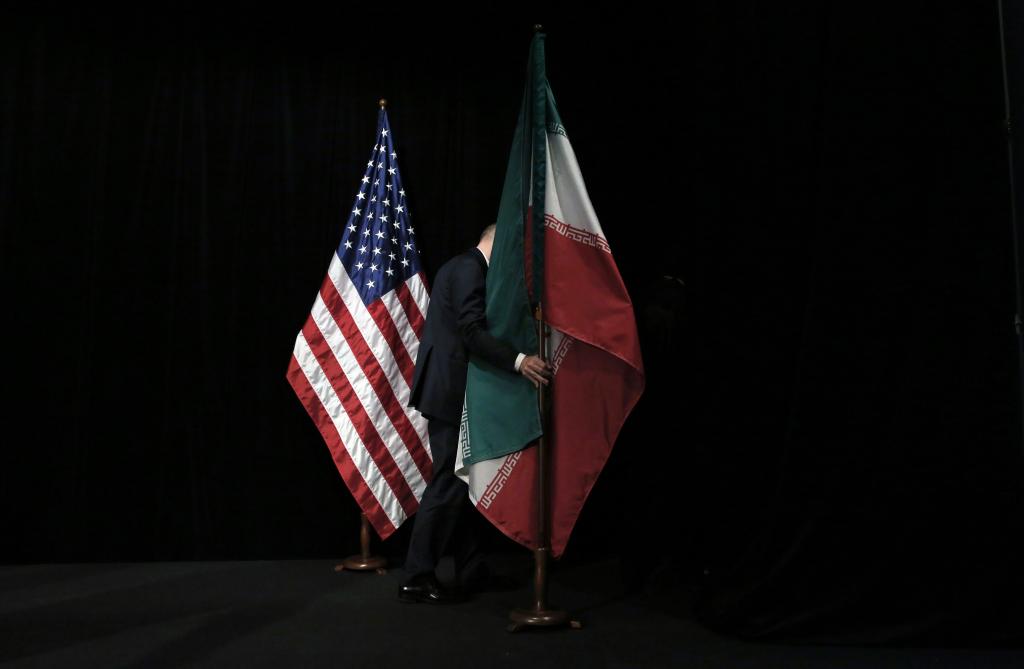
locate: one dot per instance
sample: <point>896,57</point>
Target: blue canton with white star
<point>378,246</point>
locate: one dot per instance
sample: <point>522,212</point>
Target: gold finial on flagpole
<point>383,103</point>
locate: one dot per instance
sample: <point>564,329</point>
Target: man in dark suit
<point>456,327</point>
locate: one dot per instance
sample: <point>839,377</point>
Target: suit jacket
<point>456,326</point>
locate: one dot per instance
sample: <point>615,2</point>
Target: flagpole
<point>539,615</point>
<point>364,561</point>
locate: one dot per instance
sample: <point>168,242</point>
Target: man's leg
<point>438,515</point>
<point>470,565</point>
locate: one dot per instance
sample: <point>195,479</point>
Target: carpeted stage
<point>300,613</point>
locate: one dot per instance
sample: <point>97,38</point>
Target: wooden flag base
<point>523,618</point>
<point>364,561</point>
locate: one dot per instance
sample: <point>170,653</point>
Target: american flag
<point>353,360</point>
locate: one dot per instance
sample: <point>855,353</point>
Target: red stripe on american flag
<point>380,315</point>
<point>412,312</point>
<point>353,479</point>
<point>374,373</point>
<point>375,446</point>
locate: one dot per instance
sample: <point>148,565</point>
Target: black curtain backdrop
<point>829,448</point>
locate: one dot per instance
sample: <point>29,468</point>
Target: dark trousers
<point>445,518</point>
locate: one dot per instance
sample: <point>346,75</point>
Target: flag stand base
<point>523,618</point>
<point>361,563</point>
<point>364,561</point>
<point>539,615</point>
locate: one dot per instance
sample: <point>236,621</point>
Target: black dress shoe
<point>427,589</point>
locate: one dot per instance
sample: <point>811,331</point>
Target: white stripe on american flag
<point>368,328</point>
<point>419,293</point>
<point>378,344</point>
<point>412,346</point>
<point>394,307</point>
<point>349,437</point>
<point>353,370</point>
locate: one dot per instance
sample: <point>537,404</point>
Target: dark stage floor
<point>303,614</point>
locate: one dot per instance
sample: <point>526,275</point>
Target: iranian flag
<point>548,247</point>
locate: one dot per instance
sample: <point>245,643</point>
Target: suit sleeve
<point>468,297</point>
